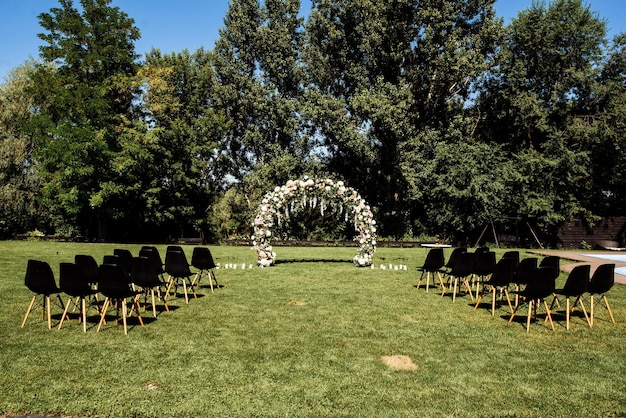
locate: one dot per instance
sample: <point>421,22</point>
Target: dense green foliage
<point>444,119</point>
<point>305,338</point>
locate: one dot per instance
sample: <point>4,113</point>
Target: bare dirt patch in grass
<point>399,362</point>
<point>297,302</point>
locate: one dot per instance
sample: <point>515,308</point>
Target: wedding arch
<point>325,194</point>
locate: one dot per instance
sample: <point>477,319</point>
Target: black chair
<point>461,271</point>
<point>125,258</point>
<point>115,260</point>
<point>499,281</point>
<point>114,284</point>
<point>433,264</point>
<point>523,272</point>
<point>484,263</point>
<point>601,282</point>
<point>454,257</point>
<point>144,274</point>
<point>177,268</point>
<point>153,254</point>
<point>88,266</point>
<point>553,262</point>
<point>540,286</point>
<point>575,286</point>
<point>40,280</point>
<point>74,283</point>
<point>202,259</point>
<point>174,248</point>
<point>514,255</point>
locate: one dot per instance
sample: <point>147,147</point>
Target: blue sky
<point>172,26</point>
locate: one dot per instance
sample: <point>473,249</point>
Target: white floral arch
<point>325,194</point>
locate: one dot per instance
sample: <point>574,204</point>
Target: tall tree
<point>389,79</point>
<point>81,109</point>
<point>547,79</point>
<point>184,167</point>
<point>19,185</point>
<point>258,67</point>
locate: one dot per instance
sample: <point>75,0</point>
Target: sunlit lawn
<point>305,338</point>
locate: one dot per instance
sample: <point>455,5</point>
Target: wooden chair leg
<point>84,312</point>
<point>124,316</point>
<point>545,305</point>
<point>30,308</point>
<point>153,303</point>
<point>105,307</point>
<point>530,310</point>
<point>48,311</point>
<point>579,301</point>
<point>67,307</point>
<point>608,307</point>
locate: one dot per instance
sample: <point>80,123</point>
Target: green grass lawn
<point>305,338</point>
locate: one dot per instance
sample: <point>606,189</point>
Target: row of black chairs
<point>120,278</point>
<point>533,280</point>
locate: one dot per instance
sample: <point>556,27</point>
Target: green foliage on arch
<point>325,194</point>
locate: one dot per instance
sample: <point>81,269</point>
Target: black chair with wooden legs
<point>144,274</point>
<point>202,260</point>
<point>499,280</point>
<point>575,286</point>
<point>76,285</point>
<point>601,282</point>
<point>40,280</point>
<point>177,268</point>
<point>433,264</point>
<point>114,284</point>
<point>540,286</point>
<point>461,271</point>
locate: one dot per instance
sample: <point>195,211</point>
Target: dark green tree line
<point>442,117</point>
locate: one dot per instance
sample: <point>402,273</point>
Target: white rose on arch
<point>306,192</point>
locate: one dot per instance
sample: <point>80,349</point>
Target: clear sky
<point>172,25</point>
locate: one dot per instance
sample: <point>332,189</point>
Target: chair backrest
<point>202,259</point>
<point>503,272</point>
<point>174,248</point>
<point>434,260</point>
<point>144,273</point>
<point>554,262</point>
<point>525,269</point>
<point>454,256</point>
<point>482,249</point>
<point>89,267</point>
<point>541,284</point>
<point>484,263</point>
<point>176,264</point>
<point>39,278</point>
<point>513,255</point>
<point>464,266</point>
<point>113,282</point>
<point>577,281</point>
<point>72,280</point>
<point>152,253</point>
<point>602,280</point>
<point>126,257</point>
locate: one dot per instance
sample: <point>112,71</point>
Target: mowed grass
<point>304,338</point>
